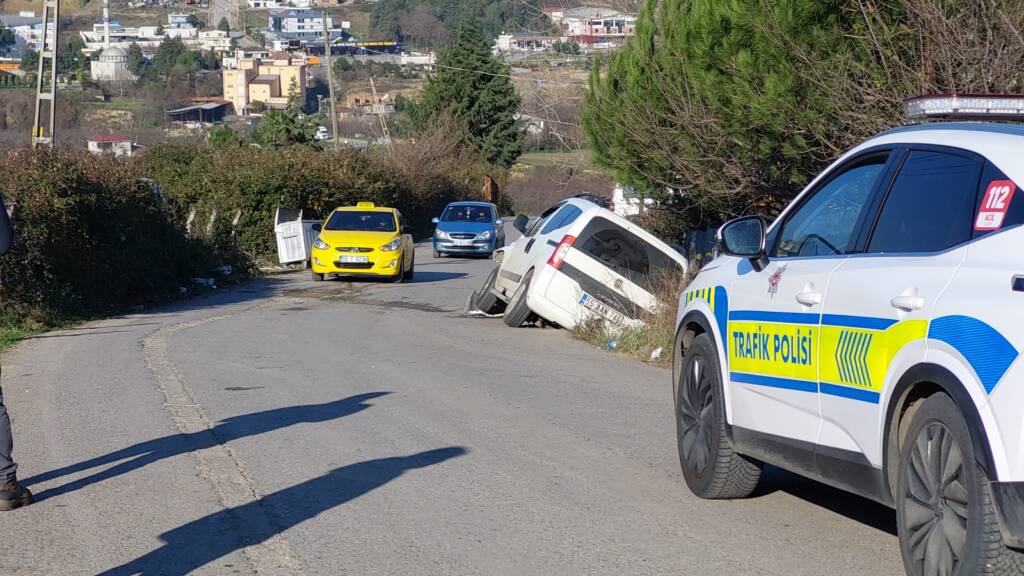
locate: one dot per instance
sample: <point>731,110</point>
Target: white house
<point>120,146</point>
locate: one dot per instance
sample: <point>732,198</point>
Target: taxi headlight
<point>485,235</point>
<point>440,234</point>
<point>320,245</point>
<point>392,246</point>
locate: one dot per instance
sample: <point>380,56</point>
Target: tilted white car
<point>870,338</point>
<point>579,261</point>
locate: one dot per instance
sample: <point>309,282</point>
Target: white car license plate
<point>591,303</point>
<point>354,259</point>
<point>462,242</point>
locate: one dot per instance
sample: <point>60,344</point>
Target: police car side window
<point>1014,212</point>
<point>826,224</point>
<point>930,206</point>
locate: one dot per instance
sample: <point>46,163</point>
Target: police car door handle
<point>808,298</point>
<point>907,303</point>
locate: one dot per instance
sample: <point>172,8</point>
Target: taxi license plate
<point>462,242</point>
<point>595,305</point>
<point>354,259</point>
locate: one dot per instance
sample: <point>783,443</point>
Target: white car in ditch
<point>579,261</point>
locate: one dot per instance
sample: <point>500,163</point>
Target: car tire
<point>711,468</point>
<point>947,524</point>
<point>316,277</point>
<point>438,254</point>
<point>412,270</point>
<point>518,313</point>
<point>486,301</point>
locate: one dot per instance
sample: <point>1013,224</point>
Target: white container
<point>295,236</point>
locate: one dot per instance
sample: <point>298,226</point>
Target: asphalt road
<point>288,427</point>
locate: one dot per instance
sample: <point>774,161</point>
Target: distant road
<point>292,427</point>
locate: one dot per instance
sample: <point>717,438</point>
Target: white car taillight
<point>560,251</point>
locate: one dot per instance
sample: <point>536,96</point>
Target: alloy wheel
<point>936,502</point>
<point>696,416</point>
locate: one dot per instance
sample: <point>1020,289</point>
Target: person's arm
<point>6,230</point>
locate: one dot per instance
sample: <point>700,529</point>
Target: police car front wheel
<point>946,521</point>
<point>711,467</point>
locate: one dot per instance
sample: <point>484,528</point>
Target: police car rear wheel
<point>946,522</point>
<point>711,468</point>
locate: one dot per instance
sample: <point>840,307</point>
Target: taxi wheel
<point>412,270</point>
<point>711,468</point>
<point>400,277</point>
<point>945,518</point>
<point>518,313</point>
<point>316,277</point>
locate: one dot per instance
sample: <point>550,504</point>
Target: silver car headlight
<point>320,245</point>
<point>485,235</point>
<point>440,235</point>
<point>392,246</point>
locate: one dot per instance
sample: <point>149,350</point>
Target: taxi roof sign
<point>365,205</point>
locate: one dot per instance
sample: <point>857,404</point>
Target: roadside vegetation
<point>721,109</point>
<point>651,342</point>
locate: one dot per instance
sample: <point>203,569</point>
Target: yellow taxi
<point>364,240</point>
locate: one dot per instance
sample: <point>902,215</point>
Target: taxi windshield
<point>467,213</point>
<point>354,221</point>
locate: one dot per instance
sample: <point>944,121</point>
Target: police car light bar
<point>965,106</point>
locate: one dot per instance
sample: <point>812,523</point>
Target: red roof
<point>110,138</point>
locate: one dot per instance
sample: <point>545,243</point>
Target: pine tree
<point>474,88</point>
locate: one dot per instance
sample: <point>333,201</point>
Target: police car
<point>871,338</point>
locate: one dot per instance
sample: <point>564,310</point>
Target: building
<point>266,80</point>
<point>28,33</point>
<point>149,38</point>
<point>300,24</point>
<point>593,27</point>
<point>120,146</point>
<point>112,66</point>
<point>364,104</point>
<point>210,112</point>
<point>526,42</point>
<point>272,4</point>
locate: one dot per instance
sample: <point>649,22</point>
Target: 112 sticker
<point>994,205</point>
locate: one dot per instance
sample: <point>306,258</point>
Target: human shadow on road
<point>202,541</point>
<point>145,453</point>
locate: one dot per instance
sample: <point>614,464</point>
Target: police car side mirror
<point>744,238</point>
<point>434,220</point>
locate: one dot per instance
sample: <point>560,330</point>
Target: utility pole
<point>330,80</point>
<point>378,107</point>
<point>47,91</point>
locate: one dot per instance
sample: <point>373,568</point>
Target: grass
<point>650,342</point>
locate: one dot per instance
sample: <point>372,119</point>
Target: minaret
<point>106,23</point>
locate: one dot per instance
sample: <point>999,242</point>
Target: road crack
<point>218,465</point>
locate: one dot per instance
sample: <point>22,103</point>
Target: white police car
<point>871,338</point>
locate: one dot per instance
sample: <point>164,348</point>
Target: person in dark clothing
<point>12,494</point>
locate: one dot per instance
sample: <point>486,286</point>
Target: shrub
<point>89,236</point>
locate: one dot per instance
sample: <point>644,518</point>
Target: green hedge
<point>89,235</point>
<point>95,234</point>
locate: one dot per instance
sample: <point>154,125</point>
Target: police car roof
<point>1013,129</point>
<point>1000,143</point>
<point>470,203</point>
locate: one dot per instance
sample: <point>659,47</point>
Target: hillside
<point>430,22</point>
